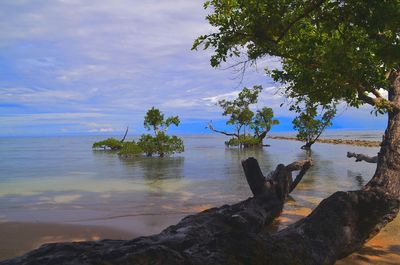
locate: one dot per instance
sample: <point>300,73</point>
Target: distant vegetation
<point>159,143</point>
<point>108,144</point>
<point>250,128</point>
<point>310,124</point>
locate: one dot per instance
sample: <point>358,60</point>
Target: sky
<point>95,67</point>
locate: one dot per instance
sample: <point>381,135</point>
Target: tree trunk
<point>307,146</point>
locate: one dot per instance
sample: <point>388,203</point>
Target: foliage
<point>310,125</point>
<point>232,142</point>
<point>161,143</point>
<point>130,149</point>
<point>250,127</point>
<point>263,121</point>
<point>330,50</point>
<point>109,143</point>
<point>238,109</point>
<point>154,119</point>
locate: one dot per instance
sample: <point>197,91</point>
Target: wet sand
<point>19,238</point>
<point>383,249</point>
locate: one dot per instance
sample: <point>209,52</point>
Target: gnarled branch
<point>211,127</point>
<point>362,157</point>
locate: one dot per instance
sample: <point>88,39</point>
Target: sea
<point>62,180</point>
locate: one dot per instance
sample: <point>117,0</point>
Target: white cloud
<point>94,64</point>
<point>102,130</point>
<point>214,99</point>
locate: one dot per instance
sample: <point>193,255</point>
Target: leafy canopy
<point>161,143</point>
<point>238,109</point>
<point>331,50</point>
<point>310,124</point>
<point>154,119</point>
<point>245,120</point>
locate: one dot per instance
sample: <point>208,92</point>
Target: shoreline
<point>364,143</point>
<point>18,238</point>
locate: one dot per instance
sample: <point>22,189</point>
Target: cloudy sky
<point>95,66</point>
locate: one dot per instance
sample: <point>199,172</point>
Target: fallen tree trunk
<point>362,157</point>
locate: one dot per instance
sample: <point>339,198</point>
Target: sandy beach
<point>19,238</point>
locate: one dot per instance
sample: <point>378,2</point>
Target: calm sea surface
<point>62,180</point>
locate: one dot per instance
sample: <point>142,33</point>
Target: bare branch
<point>210,126</point>
<point>362,157</point>
<point>126,132</point>
<point>303,165</point>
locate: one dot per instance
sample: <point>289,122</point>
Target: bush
<point>130,149</point>
<point>110,143</point>
<point>160,144</point>
<point>232,142</point>
<point>249,141</point>
<point>245,141</point>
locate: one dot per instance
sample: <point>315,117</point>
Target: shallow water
<point>61,180</point>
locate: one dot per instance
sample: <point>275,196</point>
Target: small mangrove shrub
<point>158,143</point>
<point>130,149</point>
<point>108,144</point>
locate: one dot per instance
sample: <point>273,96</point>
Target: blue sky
<point>94,67</point>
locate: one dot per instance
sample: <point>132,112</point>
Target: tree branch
<point>377,101</point>
<point>362,157</point>
<point>126,132</point>
<point>306,12</point>
<point>222,132</point>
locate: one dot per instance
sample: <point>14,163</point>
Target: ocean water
<point>62,180</point>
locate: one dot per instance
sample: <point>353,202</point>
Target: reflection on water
<point>61,180</point>
<point>156,168</point>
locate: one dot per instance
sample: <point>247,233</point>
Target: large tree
<point>330,51</point>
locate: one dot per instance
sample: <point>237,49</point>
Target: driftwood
<point>214,236</point>
<point>362,157</point>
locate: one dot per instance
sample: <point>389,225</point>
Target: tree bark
<point>362,157</point>
<point>307,146</point>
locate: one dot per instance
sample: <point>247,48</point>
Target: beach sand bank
<point>18,238</point>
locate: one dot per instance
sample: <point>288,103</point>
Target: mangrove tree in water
<point>157,144</point>
<point>111,143</point>
<point>310,125</point>
<point>249,128</point>
<point>160,143</point>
